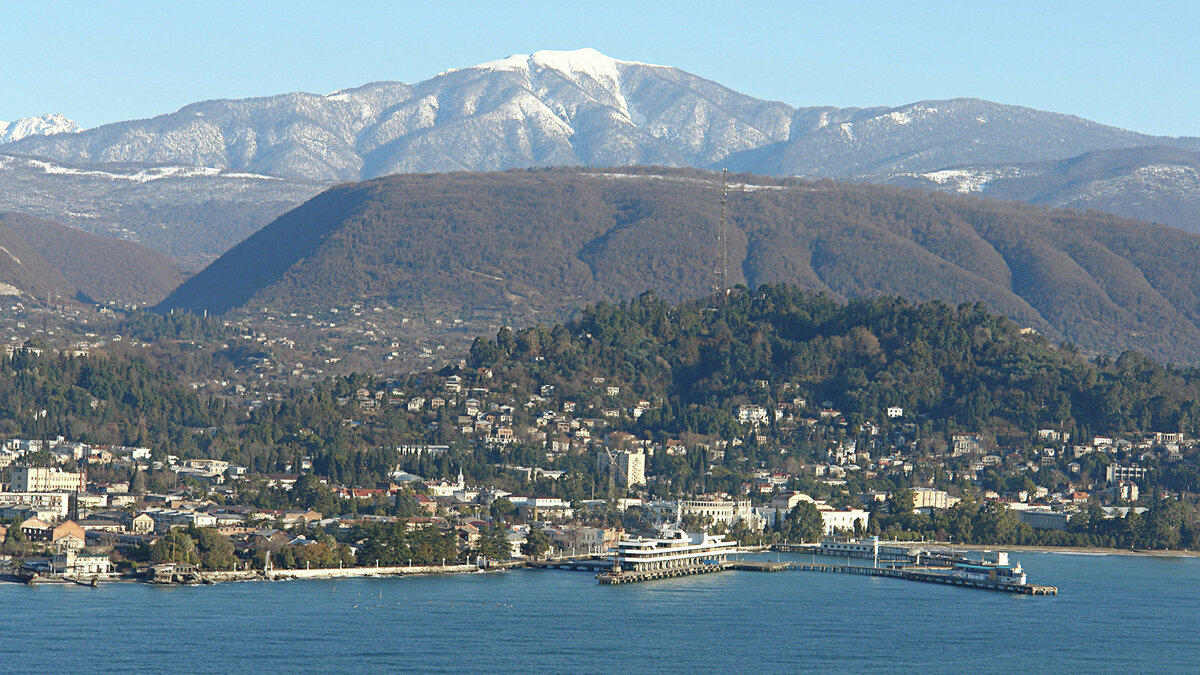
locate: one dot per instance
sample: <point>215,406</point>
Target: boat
<point>993,568</point>
<point>674,552</point>
<point>674,548</point>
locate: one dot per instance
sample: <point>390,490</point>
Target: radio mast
<point>721,270</point>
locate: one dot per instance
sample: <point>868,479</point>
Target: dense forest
<point>533,245</point>
<point>952,368</point>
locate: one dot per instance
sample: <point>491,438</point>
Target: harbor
<point>677,554</point>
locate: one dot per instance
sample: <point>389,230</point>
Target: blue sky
<point>1133,65</point>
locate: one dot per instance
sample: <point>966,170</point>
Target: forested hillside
<point>104,269</point>
<point>950,368</point>
<point>534,245</point>
<point>25,274</point>
<point>953,368</point>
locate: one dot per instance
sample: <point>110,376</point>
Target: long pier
<point>931,575</point>
<point>927,575</point>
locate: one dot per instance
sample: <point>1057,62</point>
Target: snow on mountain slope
<point>546,108</point>
<point>45,125</point>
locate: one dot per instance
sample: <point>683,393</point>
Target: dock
<point>925,574</point>
<point>630,577</point>
<point>586,565</point>
<point>928,575</point>
<point>757,566</point>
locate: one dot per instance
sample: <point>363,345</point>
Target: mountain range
<point>534,245</point>
<point>542,109</point>
<point>1156,183</point>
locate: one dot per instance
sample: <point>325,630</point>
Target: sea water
<point>1113,613</point>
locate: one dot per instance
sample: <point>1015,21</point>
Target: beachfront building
<point>71,563</point>
<point>843,520</point>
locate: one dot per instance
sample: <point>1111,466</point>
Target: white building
<point>58,502</point>
<point>629,465</point>
<point>753,414</point>
<point>843,520</point>
<point>723,511</point>
<point>72,564</point>
<point>46,479</point>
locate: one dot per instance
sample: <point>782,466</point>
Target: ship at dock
<point>671,554</point>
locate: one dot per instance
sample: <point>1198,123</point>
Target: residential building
<point>1043,519</point>
<point>46,479</point>
<point>718,510</point>
<point>629,466</point>
<point>843,520</point>
<point>58,502</point>
<point>1115,473</point>
<point>73,564</point>
<point>928,498</point>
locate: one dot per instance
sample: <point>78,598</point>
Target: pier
<point>586,565</point>
<point>931,575</point>
<point>925,574</point>
<point>629,577</point>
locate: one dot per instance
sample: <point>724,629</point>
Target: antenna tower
<point>721,273</point>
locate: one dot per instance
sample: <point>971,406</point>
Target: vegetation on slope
<point>104,269</point>
<point>533,245</point>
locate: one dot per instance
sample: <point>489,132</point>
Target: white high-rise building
<point>630,466</point>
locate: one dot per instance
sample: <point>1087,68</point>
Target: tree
<point>214,550</point>
<point>493,544</point>
<point>503,508</point>
<point>174,546</point>
<point>902,501</point>
<point>536,544</point>
<point>309,492</point>
<point>805,523</point>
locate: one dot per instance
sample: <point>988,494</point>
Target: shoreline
<point>1068,550</point>
<point>229,576</point>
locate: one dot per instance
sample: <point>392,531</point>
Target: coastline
<point>1069,550</point>
<point>228,576</point>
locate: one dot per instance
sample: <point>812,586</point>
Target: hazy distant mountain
<point>550,240</point>
<point>45,125</point>
<point>72,263</point>
<point>1157,184</point>
<point>549,108</point>
<point>191,213</point>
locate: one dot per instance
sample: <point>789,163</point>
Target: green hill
<point>951,369</point>
<point>535,245</point>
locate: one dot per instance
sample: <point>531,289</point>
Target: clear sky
<point>1131,64</point>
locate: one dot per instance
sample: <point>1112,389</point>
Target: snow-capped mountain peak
<point>586,61</point>
<point>45,125</point>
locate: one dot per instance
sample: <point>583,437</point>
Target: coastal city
<point>588,338</point>
<point>494,472</point>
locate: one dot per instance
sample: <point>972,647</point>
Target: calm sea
<point>1113,613</point>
